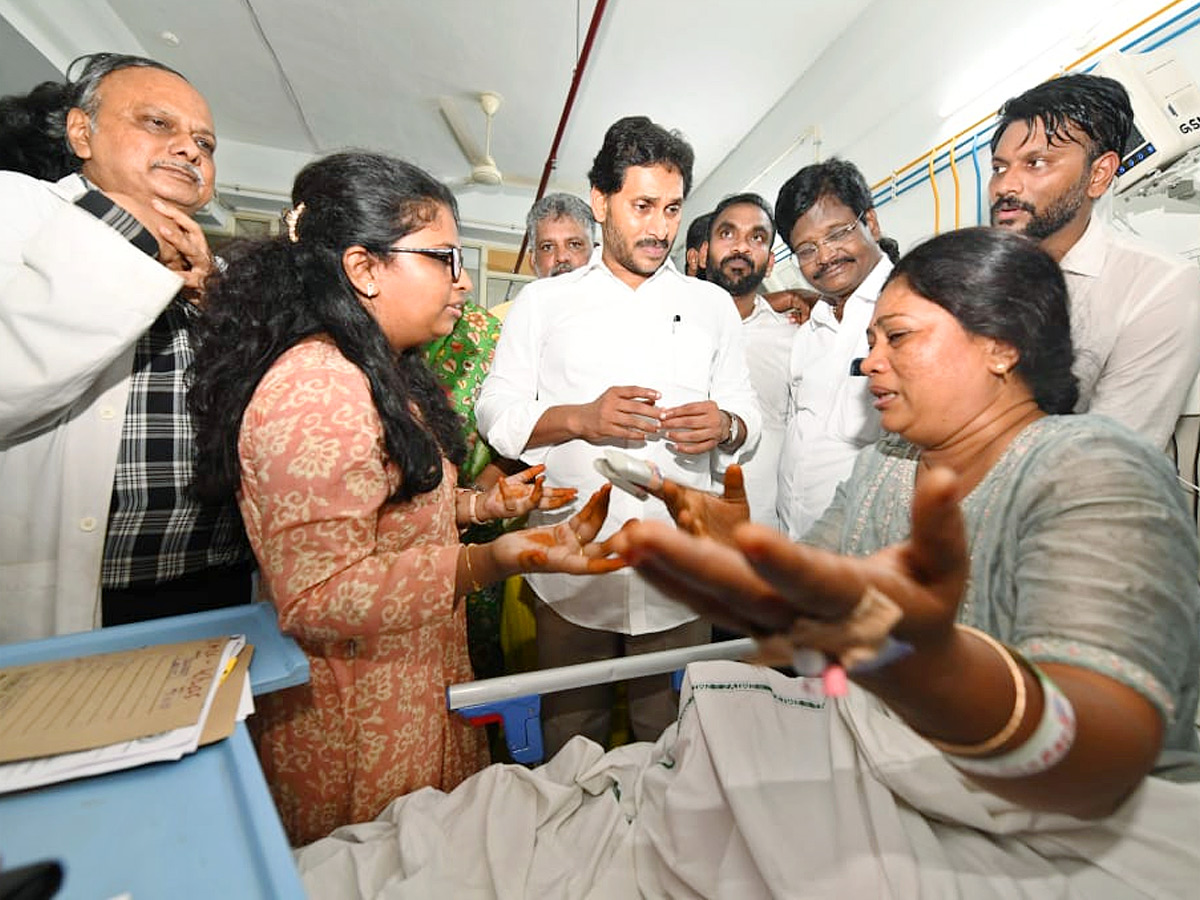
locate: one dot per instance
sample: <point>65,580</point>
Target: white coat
<point>74,298</point>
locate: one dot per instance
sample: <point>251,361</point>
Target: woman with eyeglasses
<point>313,403</point>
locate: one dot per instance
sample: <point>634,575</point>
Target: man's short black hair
<point>697,232</point>
<point>636,141</point>
<point>1093,104</point>
<point>833,178</point>
<point>735,199</point>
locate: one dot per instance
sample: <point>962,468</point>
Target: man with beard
<point>561,234</point>
<point>737,259</point>
<point>559,228</point>
<point>628,353</point>
<point>99,525</point>
<point>826,214</point>
<point>1135,310</point>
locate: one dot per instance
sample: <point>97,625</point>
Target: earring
<point>1001,370</point>
<point>371,290</point>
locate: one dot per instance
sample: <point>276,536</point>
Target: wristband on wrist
<point>1046,747</point>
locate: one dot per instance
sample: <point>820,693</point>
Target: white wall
<point>906,77</point>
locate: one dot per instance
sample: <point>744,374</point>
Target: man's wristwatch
<point>735,432</point>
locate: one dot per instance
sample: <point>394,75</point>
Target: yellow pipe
<point>1084,58</point>
<point>937,200</point>
<point>954,175</point>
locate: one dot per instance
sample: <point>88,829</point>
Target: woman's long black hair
<point>274,293</point>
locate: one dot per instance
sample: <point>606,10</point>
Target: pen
<point>675,321</point>
<point>228,668</point>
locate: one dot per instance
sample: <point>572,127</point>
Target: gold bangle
<point>475,585</point>
<point>1001,737</point>
<point>471,515</point>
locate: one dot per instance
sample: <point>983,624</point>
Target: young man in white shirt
<point>737,257</point>
<point>626,353</point>
<point>826,215</point>
<point>1135,309</point>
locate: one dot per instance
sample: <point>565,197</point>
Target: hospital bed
<point>515,700</point>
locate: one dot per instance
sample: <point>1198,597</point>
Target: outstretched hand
<point>515,495</point>
<point>763,582</point>
<point>565,547</point>
<point>703,514</point>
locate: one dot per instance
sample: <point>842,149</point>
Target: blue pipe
<point>978,179</point>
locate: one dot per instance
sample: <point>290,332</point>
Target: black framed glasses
<point>806,253</point>
<point>451,256</point>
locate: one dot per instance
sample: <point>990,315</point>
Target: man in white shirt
<point>622,353</point>
<point>827,216</point>
<point>737,257</point>
<point>1135,309</point>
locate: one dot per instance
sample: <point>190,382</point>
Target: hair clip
<point>291,218</point>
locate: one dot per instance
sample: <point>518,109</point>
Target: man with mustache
<point>737,258</point>
<point>826,215</point>
<point>99,273</point>
<point>1135,309</point>
<point>624,352</point>
<point>560,232</point>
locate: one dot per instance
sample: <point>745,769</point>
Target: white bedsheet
<point>761,789</point>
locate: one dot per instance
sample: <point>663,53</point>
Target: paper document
<point>70,718</point>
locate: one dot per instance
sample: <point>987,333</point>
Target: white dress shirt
<point>569,338</point>
<point>832,416</point>
<point>1135,323</point>
<point>768,336</point>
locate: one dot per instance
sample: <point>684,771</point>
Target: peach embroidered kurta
<point>365,586</point>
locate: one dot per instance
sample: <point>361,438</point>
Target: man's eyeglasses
<point>451,256</point>
<point>806,253</point>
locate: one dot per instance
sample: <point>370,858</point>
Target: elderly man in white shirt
<point>825,213</point>
<point>625,353</point>
<point>1135,309</point>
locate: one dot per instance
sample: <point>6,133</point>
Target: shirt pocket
<point>692,353</point>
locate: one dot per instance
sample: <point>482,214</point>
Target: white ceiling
<point>756,86</point>
<point>309,76</point>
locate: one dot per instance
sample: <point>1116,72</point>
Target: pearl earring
<point>371,290</point>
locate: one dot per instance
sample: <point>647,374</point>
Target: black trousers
<point>197,592</point>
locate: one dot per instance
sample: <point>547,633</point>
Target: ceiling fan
<point>483,168</point>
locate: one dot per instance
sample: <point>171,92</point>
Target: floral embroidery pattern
<point>367,589</point>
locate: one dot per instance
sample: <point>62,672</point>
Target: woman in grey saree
<point>1028,729</point>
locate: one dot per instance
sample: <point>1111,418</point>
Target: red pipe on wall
<point>580,66</point>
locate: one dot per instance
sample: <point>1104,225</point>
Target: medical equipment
<point>1166,112</point>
